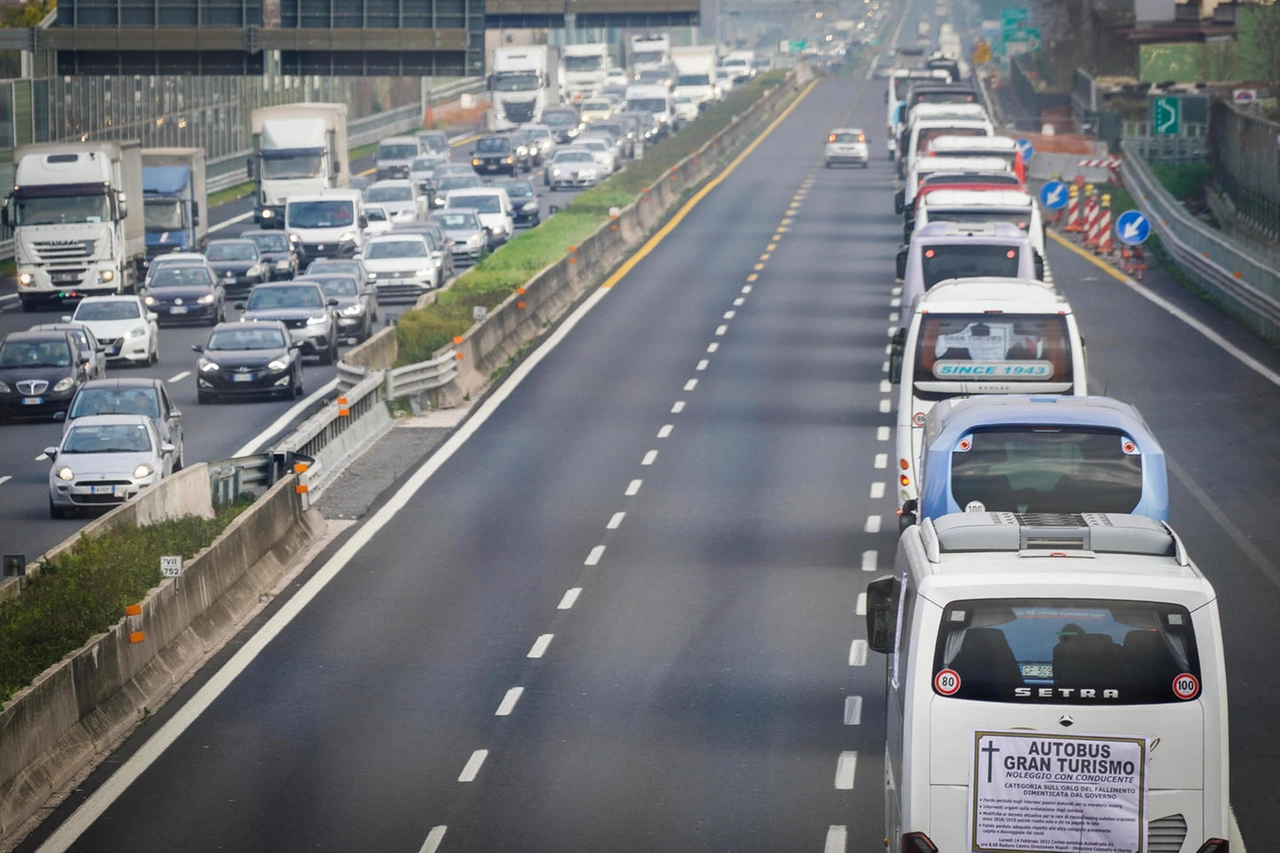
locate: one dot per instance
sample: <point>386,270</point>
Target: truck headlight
<point>24,279</point>
<point>266,211</point>
<point>295,238</point>
<point>64,383</point>
<point>106,275</point>
<point>66,474</point>
<point>142,471</point>
<point>317,320</point>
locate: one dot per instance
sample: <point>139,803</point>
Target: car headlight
<point>207,366</point>
<point>425,272</point>
<point>256,269</point>
<point>64,383</point>
<point>66,474</point>
<point>4,389</point>
<point>475,161</point>
<point>207,299</point>
<point>372,276</point>
<point>509,160</point>
<point>143,470</point>
<point>357,309</point>
<point>555,172</point>
<point>529,206</point>
<point>347,237</point>
<point>277,365</point>
<point>106,275</point>
<point>136,333</point>
<point>474,240</point>
<point>317,320</point>
<point>149,300</point>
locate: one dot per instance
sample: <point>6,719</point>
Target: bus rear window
<point>967,261</point>
<point>1003,348</point>
<point>979,215</point>
<point>1046,469</point>
<point>1067,652</point>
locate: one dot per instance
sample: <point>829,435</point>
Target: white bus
<point>1054,683</point>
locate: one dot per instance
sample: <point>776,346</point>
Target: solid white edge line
<point>8,297</point>
<point>284,420</point>
<point>434,837</point>
<point>474,763</point>
<point>229,222</point>
<point>509,701</point>
<point>540,646</point>
<point>846,767</point>
<point>837,839</point>
<point>570,598</point>
<point>98,802</point>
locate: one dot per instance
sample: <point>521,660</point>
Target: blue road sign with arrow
<point>1132,227</point>
<point>1026,149</point>
<point>1053,195</point>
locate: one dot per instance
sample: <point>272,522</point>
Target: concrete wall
<point>50,731</point>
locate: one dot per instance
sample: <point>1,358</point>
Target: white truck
<point>523,82</point>
<point>741,65</point>
<point>77,215</point>
<point>297,148</point>
<point>649,52</point>
<point>582,70</point>
<point>696,73</point>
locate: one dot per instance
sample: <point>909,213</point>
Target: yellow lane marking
<point>675,220</point>
<point>1089,256</point>
<point>752,277</point>
<point>771,247</point>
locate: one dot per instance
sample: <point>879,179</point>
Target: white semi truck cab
<point>76,210</point>
<point>583,69</point>
<point>298,148</point>
<point>524,81</point>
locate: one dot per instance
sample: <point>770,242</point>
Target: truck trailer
<point>175,201</point>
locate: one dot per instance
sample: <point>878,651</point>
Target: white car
<point>686,110</point>
<point>379,221</point>
<point>846,145</point>
<point>104,460</point>
<point>602,150</point>
<point>402,200</point>
<point>398,263</point>
<point>123,325</point>
<point>492,205</point>
<point>595,108</point>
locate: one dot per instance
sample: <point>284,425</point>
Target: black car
<point>237,263</point>
<point>563,121</point>
<point>357,308</point>
<point>278,252</point>
<point>495,155</point>
<point>186,293</point>
<point>305,311</point>
<point>39,373</point>
<point>248,360</point>
<point>525,201</point>
<point>91,349</point>
<point>526,148</point>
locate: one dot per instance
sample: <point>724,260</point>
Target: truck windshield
<point>61,210</point>
<point>582,63</point>
<point>647,105</point>
<point>398,151</point>
<point>162,214</point>
<point>1068,652</point>
<point>965,349</point>
<point>693,80</point>
<point>516,83</point>
<point>647,57</point>
<point>559,119</point>
<point>292,165</point>
<point>319,214</point>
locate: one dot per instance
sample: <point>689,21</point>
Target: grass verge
<point>421,332</point>
<point>84,591</point>
<point>230,194</point>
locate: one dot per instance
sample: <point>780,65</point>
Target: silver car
<point>104,460</point>
<point>573,167</point>
<point>132,396</point>
<point>462,228</point>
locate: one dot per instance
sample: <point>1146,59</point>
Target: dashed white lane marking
<point>677,407</point>
<point>570,598</point>
<point>616,521</point>
<point>712,347</point>
<point>633,488</point>
<point>885,406</point>
<point>884,367</point>
<point>739,301</point>
<point>6,478</point>
<point>665,431</point>
<point>869,560</point>
<point>888,349</point>
<point>893,330</point>
<point>720,330</point>
<point>746,288</point>
<point>508,703</point>
<point>434,837</point>
<point>858,651</point>
<point>702,365</point>
<point>837,836</point>
<point>649,457</point>
<point>895,302</point>
<point>893,317</point>
<point>853,710</point>
<point>882,460</point>
<point>232,221</point>
<point>860,608</point>
<point>42,457</point>
<point>593,559</point>
<point>882,433</point>
<point>178,377</point>
<point>691,384</point>
<point>873,524</point>
<point>771,247</point>
<point>540,646</point>
<point>885,386</point>
<point>877,490</point>
<point>729,315</point>
<point>896,290</point>
<point>846,766</point>
<point>474,763</point>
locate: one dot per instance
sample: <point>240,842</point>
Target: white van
<point>979,336</point>
<point>654,99</point>
<point>327,224</point>
<point>1055,682</point>
<point>1011,205</point>
<point>492,205</point>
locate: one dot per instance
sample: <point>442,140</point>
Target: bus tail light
<point>1214,845</point>
<point>904,480</point>
<point>918,842</point>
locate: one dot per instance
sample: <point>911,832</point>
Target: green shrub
<point>1185,181</point>
<point>84,590</point>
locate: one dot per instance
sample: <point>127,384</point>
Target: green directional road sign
<point>798,45</point>
<point>1166,116</point>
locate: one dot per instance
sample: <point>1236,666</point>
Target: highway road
<point>620,608</point>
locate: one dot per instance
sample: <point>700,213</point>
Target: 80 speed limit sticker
<point>1186,686</point>
<point>947,682</point>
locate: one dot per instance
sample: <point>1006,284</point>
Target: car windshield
<point>433,140</point>
<point>457,221</point>
<point>107,438</point>
<point>319,214</point>
<point>574,157</point>
<point>519,189</point>
<point>244,339</point>
<point>393,193</point>
<point>380,250</point>
<point>115,401</point>
<point>35,354</point>
<point>425,164</point>
<point>558,118</point>
<point>482,203</point>
<point>375,214</point>
<point>335,265</point>
<point>270,242</point>
<point>336,286</point>
<point>181,277</point>
<point>272,298</point>
<point>240,251</point>
<point>397,151</point>
<point>493,145</point>
<point>123,309</point>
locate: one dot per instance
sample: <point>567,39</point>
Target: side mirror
<point>166,449</point>
<point>51,452</point>
<point>902,263</point>
<point>908,515</point>
<point>886,97</point>
<point>358,256</point>
<point>899,201</point>
<point>176,414</point>
<point>332,303</point>
<point>122,205</point>
<point>249,170</point>
<point>882,614</point>
<point>195,214</point>
<point>364,221</point>
<point>197,347</point>
<point>1039,264</point>
<point>4,215</point>
<point>337,167</point>
<point>151,315</point>
<point>897,349</point>
<point>66,318</point>
<point>295,345</point>
<point>239,306</point>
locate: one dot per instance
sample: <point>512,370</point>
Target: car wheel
<point>182,459</point>
<point>154,358</point>
<point>297,386</point>
<point>55,511</point>
<point>327,357</point>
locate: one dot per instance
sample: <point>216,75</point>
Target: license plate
<point>112,350</point>
<point>67,276</point>
<point>102,490</point>
<point>178,309</point>
<point>32,401</point>
<point>242,377</point>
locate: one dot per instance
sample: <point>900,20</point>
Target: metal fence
<point>1190,146</point>
<point>1244,286</point>
<point>1246,164</point>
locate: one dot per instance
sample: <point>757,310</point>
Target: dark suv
<point>39,373</point>
<point>494,154</point>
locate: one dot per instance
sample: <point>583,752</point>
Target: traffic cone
<point>1105,242</point>
<point>1073,208</point>
<point>1091,217</point>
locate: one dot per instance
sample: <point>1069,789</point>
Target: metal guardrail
<point>413,379</point>
<point>317,431</point>
<point>1227,269</point>
<point>228,478</point>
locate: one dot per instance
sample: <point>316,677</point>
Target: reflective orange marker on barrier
<point>343,409</point>
<point>519,304</point>
<point>133,610</point>
<point>301,489</point>
<point>457,339</point>
<point>301,467</point>
<point>520,290</point>
<point>458,356</point>
<point>137,637</point>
